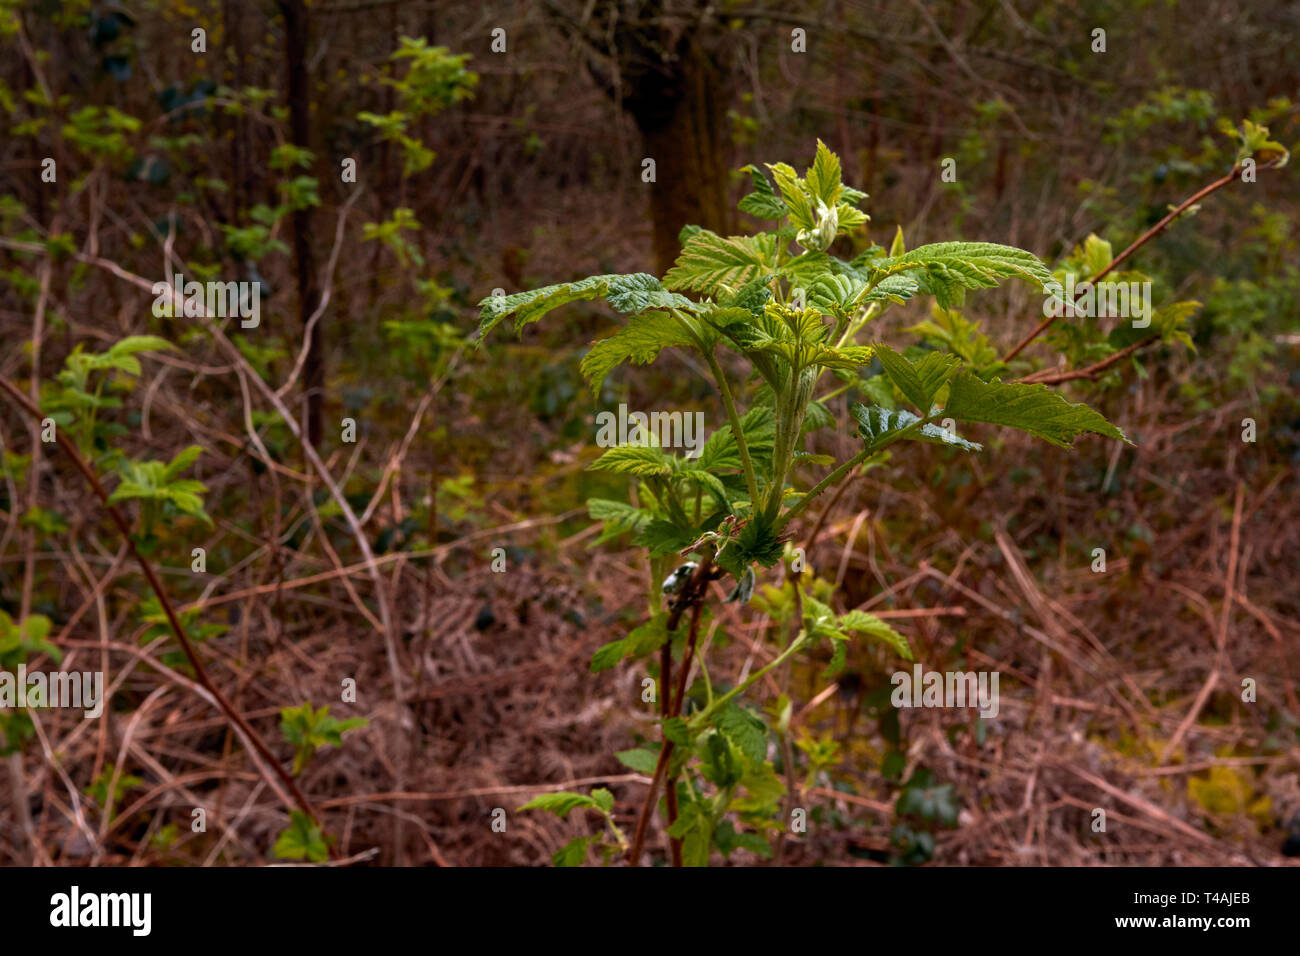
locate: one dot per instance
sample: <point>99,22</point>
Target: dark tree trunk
<point>678,115</point>
<point>295,56</point>
<point>671,85</point>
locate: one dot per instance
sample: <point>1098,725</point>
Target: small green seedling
<point>307,731</point>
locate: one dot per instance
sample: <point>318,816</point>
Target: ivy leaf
<point>1035,409</point>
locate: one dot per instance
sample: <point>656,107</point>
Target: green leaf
<point>639,291</point>
<point>695,849</point>
<point>710,263</point>
<point>962,337</point>
<point>838,656</point>
<point>561,804</point>
<point>640,343</point>
<point>922,381</point>
<point>663,537</point>
<point>763,202</point>
<point>529,307</point>
<point>182,461</point>
<point>1169,323</point>
<point>860,622</point>
<point>745,729</point>
<point>675,730</point>
<point>719,762</point>
<point>1097,254</point>
<point>753,296</point>
<point>757,542</point>
<point>895,288</point>
<point>947,269</point>
<point>639,642</point>
<point>574,853</point>
<point>641,460</point>
<point>837,295</point>
<point>608,656</point>
<point>303,839</point>
<point>648,637</point>
<point>727,840</point>
<point>758,425</point>
<point>1035,409</point>
<point>823,177</point>
<point>618,516</point>
<point>121,354</point>
<point>897,247</point>
<point>640,759</point>
<point>880,426</point>
<point>792,190</point>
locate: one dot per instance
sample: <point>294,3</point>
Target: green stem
<point>790,412</point>
<point>830,479</point>
<point>838,392</point>
<point>699,719</point>
<point>835,476</point>
<point>751,481</point>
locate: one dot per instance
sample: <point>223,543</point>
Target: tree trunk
<point>668,81</point>
<point>295,56</point>
<point>679,121</point>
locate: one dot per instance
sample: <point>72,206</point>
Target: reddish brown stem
<point>1134,247</point>
<point>692,596</point>
<point>200,672</point>
<point>1053,377</point>
<point>665,699</point>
